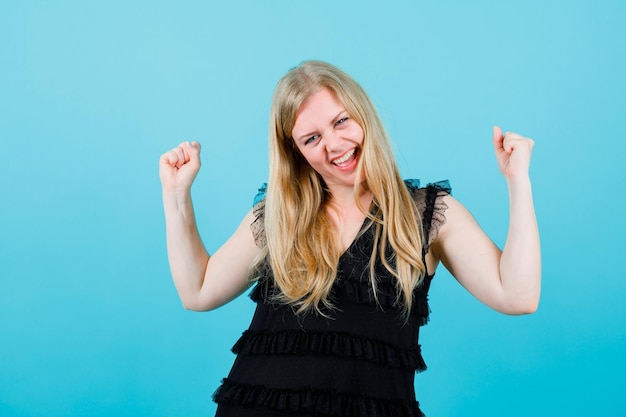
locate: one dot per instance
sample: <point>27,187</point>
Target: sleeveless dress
<point>360,361</point>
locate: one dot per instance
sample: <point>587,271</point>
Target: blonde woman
<point>342,252</point>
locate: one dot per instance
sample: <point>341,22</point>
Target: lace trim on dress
<point>258,209</point>
<point>336,344</point>
<point>314,401</point>
<point>430,204</point>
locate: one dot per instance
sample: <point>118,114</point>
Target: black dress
<point>359,362</point>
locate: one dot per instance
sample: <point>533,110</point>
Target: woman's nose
<point>332,140</point>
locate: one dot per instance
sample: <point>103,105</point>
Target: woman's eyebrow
<point>338,116</point>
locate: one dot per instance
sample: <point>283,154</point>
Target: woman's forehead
<point>320,107</point>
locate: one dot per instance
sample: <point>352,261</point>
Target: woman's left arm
<point>509,281</point>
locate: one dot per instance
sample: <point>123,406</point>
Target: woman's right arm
<point>204,282</point>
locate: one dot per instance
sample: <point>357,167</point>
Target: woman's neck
<point>347,217</point>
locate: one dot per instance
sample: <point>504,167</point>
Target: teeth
<point>344,158</point>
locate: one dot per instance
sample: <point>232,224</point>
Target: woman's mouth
<point>345,159</point>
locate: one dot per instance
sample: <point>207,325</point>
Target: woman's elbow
<point>522,306</point>
<point>523,310</point>
<point>195,304</point>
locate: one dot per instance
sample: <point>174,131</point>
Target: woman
<point>342,252</point>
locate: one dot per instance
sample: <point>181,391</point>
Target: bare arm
<point>203,282</point>
<point>510,280</point>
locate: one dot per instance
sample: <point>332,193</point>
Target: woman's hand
<point>513,153</point>
<point>179,166</point>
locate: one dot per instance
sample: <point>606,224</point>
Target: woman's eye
<point>311,139</point>
<point>341,121</point>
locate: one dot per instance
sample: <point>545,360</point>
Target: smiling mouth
<point>345,158</point>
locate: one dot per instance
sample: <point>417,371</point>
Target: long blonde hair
<point>302,249</point>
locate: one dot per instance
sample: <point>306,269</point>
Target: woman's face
<point>328,138</point>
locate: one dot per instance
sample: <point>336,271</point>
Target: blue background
<point>91,93</point>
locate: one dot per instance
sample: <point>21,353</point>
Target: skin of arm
<point>203,282</point>
<point>508,281</point>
